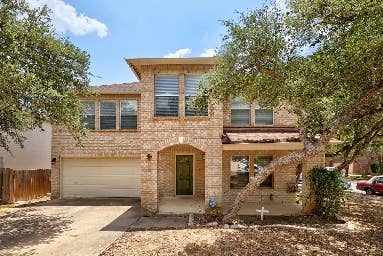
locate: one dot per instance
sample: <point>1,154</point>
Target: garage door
<point>101,178</point>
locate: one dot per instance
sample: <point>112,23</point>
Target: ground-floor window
<point>260,163</point>
<point>242,167</point>
<point>239,171</point>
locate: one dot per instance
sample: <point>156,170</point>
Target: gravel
<point>360,232</point>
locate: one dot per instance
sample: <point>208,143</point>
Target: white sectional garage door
<point>101,178</point>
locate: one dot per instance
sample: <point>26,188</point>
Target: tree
<point>322,58</point>
<point>40,74</point>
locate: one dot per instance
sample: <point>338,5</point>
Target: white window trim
<point>255,116</point>
<point>231,108</point>
<point>99,114</point>
<point>120,114</point>
<point>231,159</point>
<point>167,95</point>
<point>95,107</point>
<point>188,95</point>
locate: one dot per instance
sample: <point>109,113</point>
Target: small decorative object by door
<point>212,203</point>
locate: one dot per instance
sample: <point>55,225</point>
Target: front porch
<point>273,208</point>
<point>182,205</point>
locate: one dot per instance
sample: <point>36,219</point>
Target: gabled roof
<point>124,88</point>
<point>135,64</point>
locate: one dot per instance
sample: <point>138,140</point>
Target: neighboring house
<point>146,141</point>
<point>36,153</point>
<point>360,166</point>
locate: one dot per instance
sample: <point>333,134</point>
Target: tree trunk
<point>254,183</point>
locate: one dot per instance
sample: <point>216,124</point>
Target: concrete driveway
<point>66,227</point>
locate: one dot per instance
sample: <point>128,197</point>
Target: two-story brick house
<point>146,141</point>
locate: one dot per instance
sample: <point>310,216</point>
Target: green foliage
<point>319,58</point>
<point>375,167</point>
<point>327,189</point>
<point>41,75</point>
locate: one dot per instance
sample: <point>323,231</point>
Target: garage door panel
<point>116,180</point>
<point>101,178</point>
<point>92,191</point>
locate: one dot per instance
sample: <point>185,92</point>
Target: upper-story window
<point>191,90</point>
<point>240,112</point>
<point>87,117</point>
<point>263,116</point>
<point>128,114</point>
<point>107,115</point>
<point>166,95</point>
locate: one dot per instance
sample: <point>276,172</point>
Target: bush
<point>375,167</point>
<point>327,188</point>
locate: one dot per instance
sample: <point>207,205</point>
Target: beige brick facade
<point>158,140</point>
<point>158,133</point>
<point>282,117</point>
<point>167,170</point>
<point>278,193</point>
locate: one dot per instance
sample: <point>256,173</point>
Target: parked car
<point>346,183</point>
<point>371,186</point>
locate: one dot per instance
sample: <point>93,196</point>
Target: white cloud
<point>209,53</point>
<point>181,53</point>
<point>66,19</point>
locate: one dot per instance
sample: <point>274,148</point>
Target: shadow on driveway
<point>28,227</point>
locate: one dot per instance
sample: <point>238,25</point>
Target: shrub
<point>375,167</point>
<point>327,188</point>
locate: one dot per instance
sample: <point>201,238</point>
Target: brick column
<point>149,184</point>
<point>55,177</point>
<point>309,203</point>
<point>213,174</point>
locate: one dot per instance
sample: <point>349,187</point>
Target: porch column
<point>213,175</point>
<point>149,187</point>
<point>309,203</point>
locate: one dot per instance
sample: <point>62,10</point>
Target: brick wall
<point>157,133</point>
<point>97,143</point>
<point>167,170</point>
<point>281,178</point>
<point>282,118</point>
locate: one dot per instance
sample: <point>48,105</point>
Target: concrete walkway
<point>66,227</point>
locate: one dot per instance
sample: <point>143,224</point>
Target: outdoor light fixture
<point>53,161</point>
<point>148,157</point>
<point>203,156</point>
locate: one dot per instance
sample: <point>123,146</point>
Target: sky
<point>113,30</point>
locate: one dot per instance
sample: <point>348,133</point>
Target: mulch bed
<point>359,232</point>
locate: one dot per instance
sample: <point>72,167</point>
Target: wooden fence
<point>23,185</point>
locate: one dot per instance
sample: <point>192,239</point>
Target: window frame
<point>94,114</point>
<point>248,171</point>
<point>120,115</point>
<point>99,115</point>
<point>155,96</point>
<point>202,114</point>
<point>258,107</point>
<point>231,113</point>
<point>272,175</point>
